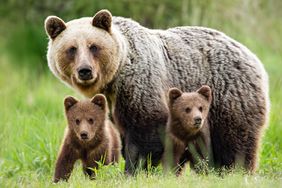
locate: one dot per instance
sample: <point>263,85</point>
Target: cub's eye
<point>188,110</point>
<point>90,121</point>
<point>93,48</point>
<point>201,109</point>
<point>71,51</point>
<point>77,121</point>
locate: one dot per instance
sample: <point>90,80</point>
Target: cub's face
<point>191,109</point>
<point>86,117</point>
<point>85,52</point>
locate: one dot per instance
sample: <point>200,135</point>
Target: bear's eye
<point>93,48</point>
<point>188,110</point>
<point>90,121</point>
<point>77,121</point>
<point>71,51</point>
<point>201,109</point>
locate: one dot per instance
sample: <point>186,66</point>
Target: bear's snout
<point>85,72</point>
<point>197,122</point>
<point>84,135</point>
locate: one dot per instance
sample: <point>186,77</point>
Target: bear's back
<point>186,58</point>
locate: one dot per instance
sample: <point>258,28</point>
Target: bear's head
<point>86,118</point>
<point>190,109</point>
<point>84,53</point>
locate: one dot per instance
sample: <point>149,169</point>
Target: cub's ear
<point>54,26</point>
<point>103,20</point>
<point>206,92</point>
<point>100,100</point>
<point>174,93</point>
<point>69,102</point>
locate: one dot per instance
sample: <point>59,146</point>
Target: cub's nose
<point>197,121</point>
<point>85,73</point>
<point>84,135</point>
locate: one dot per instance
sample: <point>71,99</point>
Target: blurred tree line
<point>22,22</point>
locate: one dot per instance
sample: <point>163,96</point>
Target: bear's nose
<point>197,121</point>
<point>84,135</point>
<point>85,73</point>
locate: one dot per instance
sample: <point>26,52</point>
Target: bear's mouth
<point>197,125</point>
<point>85,83</point>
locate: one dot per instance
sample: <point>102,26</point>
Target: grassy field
<point>32,123</point>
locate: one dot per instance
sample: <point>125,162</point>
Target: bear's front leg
<point>93,159</point>
<point>143,122</point>
<point>174,158</point>
<point>143,149</point>
<point>88,169</point>
<point>65,163</point>
<point>131,152</point>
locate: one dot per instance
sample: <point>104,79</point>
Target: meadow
<point>32,119</point>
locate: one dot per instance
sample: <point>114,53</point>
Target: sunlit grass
<point>32,125</point>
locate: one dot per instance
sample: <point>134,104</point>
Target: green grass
<point>32,125</point>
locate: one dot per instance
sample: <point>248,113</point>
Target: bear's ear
<point>103,20</point>
<point>99,100</point>
<point>174,93</point>
<point>54,26</point>
<point>206,92</point>
<point>69,102</point>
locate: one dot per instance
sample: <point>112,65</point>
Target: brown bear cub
<point>188,129</point>
<point>90,137</point>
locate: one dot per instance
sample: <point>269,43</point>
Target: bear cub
<point>188,129</point>
<point>90,137</point>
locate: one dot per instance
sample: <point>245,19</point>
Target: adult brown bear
<point>134,66</point>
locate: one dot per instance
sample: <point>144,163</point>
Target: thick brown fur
<point>188,132</point>
<point>101,140</point>
<point>134,67</point>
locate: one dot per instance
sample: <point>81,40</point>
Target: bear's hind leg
<point>250,162</point>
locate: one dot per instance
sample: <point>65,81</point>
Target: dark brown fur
<point>188,139</point>
<point>102,143</point>
<point>135,66</point>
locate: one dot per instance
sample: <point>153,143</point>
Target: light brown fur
<point>89,137</point>
<point>74,50</point>
<point>135,66</point>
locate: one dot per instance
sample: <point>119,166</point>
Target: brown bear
<point>89,137</point>
<point>134,67</point>
<point>188,128</point>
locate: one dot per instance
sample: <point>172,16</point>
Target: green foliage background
<point>31,110</point>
